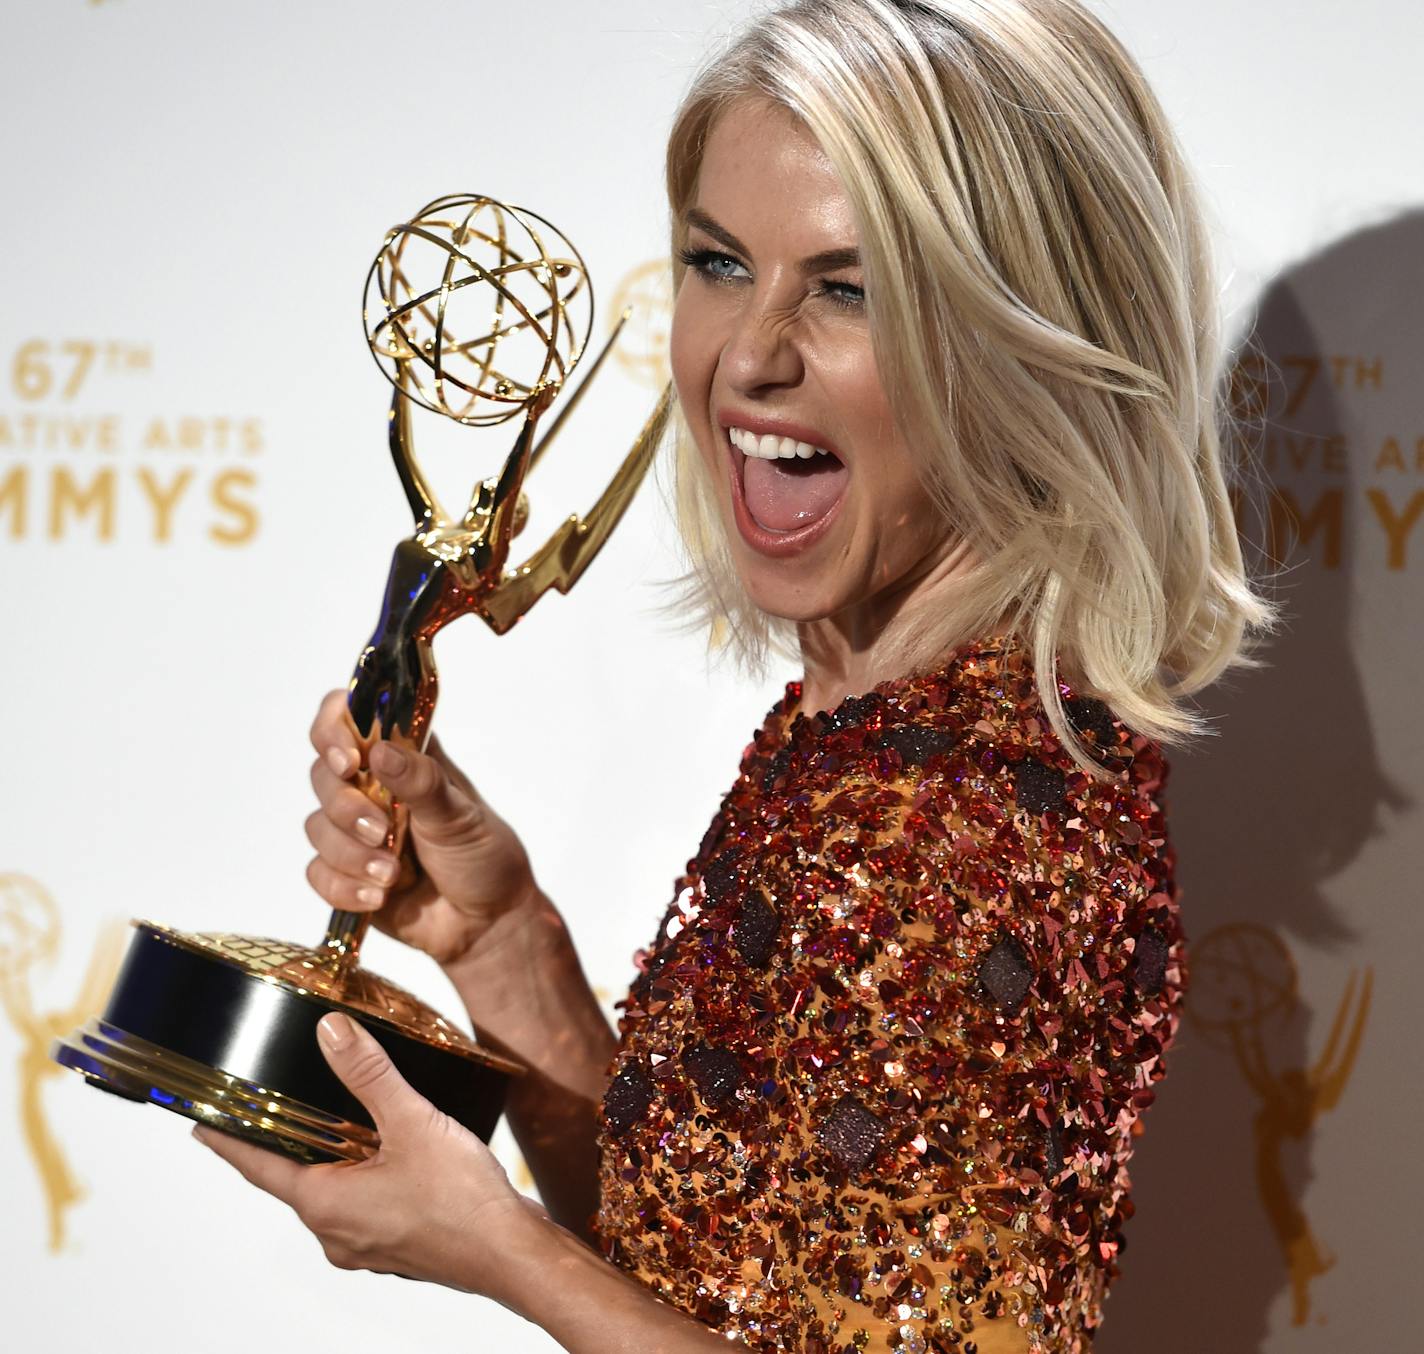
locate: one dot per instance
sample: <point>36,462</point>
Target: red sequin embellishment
<point>879,1072</point>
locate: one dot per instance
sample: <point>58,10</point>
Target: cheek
<point>691,352</point>
<point>911,522</point>
<point>917,519</point>
<point>897,499</point>
<point>905,520</point>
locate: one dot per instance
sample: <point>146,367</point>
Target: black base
<point>212,1014</point>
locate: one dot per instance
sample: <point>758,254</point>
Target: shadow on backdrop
<point>1263,815</point>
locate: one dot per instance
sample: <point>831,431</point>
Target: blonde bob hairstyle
<point>1044,318</point>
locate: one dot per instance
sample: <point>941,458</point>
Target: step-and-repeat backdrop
<point>196,509</point>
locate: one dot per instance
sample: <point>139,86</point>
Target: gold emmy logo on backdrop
<point>646,291</point>
<point>1313,432</point>
<point>70,471</point>
<point>478,311</point>
<point>1244,981</point>
<point>30,936</point>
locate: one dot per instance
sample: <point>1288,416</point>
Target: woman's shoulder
<point>973,730</point>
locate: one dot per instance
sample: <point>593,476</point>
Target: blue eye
<point>716,266</point>
<point>710,263</point>
<point>845,294</point>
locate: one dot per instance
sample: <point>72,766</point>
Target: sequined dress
<point>880,1070</point>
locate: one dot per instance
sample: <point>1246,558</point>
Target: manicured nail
<point>383,869</point>
<point>372,831</point>
<point>371,897</point>
<point>334,1030</point>
<point>388,759</point>
<point>341,760</point>
<point>201,1134</point>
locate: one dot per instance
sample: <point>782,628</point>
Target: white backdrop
<point>196,510</point>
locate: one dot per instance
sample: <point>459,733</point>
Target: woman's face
<point>823,508</point>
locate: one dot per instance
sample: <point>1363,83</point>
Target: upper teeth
<point>769,448</point>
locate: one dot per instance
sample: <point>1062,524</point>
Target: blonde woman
<point>945,355</point>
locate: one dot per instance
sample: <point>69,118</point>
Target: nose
<point>762,352</point>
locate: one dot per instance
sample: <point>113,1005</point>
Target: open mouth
<point>786,490</point>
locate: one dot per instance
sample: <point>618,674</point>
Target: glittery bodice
<point>879,1071</point>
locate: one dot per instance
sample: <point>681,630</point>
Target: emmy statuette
<point>479,311</point>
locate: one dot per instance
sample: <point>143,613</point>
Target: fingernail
<point>372,831</point>
<point>383,869</point>
<point>341,760</point>
<point>388,759</point>
<point>201,1134</point>
<point>334,1030</point>
<point>371,897</point>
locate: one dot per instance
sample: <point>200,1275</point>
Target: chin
<point>783,598</point>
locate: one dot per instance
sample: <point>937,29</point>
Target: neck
<point>873,641</point>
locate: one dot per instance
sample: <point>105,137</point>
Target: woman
<point>944,353</point>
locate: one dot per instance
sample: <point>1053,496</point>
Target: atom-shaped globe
<point>474,308</point>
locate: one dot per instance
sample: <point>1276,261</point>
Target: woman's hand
<point>474,869</point>
<point>433,1203</point>
<point>476,909</point>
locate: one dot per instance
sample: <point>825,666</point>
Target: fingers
<point>434,791</point>
<point>348,831</point>
<point>341,891</point>
<point>331,735</point>
<point>366,1070</point>
<point>345,872</point>
<point>351,810</point>
<point>277,1175</point>
<point>443,810</point>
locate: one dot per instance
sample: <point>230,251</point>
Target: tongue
<point>785,495</point>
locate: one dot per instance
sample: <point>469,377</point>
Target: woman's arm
<point>590,1307</point>
<point>434,1204</point>
<point>527,995</point>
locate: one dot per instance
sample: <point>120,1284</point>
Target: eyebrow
<point>827,261</point>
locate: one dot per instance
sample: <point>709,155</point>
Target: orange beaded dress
<point>879,1074</point>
